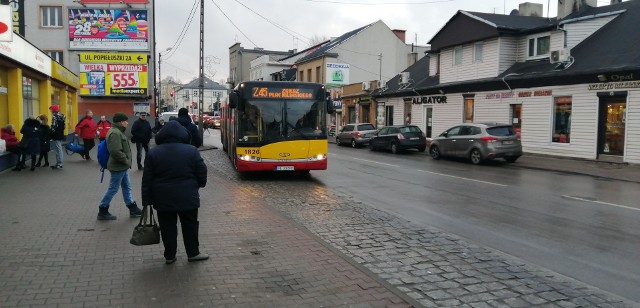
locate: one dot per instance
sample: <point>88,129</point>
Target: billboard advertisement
<point>105,29</point>
<point>337,74</point>
<point>17,14</point>
<point>118,74</point>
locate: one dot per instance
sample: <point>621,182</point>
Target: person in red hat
<point>58,123</point>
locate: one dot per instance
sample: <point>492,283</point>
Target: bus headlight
<point>318,157</point>
<point>248,158</point>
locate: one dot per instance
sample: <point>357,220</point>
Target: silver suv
<point>356,134</point>
<point>478,142</point>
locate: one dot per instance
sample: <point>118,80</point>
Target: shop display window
<point>468,110</point>
<point>562,119</point>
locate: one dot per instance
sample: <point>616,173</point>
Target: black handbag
<point>147,231</point>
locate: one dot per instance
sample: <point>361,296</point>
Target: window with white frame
<point>539,46</point>
<point>478,50</point>
<point>51,16</point>
<point>457,55</point>
<point>56,55</point>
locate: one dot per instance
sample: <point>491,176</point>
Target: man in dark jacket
<point>58,122</point>
<point>140,135</point>
<point>186,121</point>
<point>174,172</point>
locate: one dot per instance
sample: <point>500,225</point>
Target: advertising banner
<point>17,14</point>
<point>105,29</point>
<point>113,77</point>
<point>337,74</point>
<point>6,32</point>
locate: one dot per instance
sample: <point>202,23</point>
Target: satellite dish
<point>514,12</point>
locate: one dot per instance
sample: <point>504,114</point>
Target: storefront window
<point>388,115</point>
<point>352,114</point>
<point>468,110</point>
<point>30,97</point>
<point>55,96</point>
<point>562,120</point>
<point>4,98</point>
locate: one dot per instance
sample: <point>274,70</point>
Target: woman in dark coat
<point>45,132</point>
<point>30,143</point>
<point>174,171</point>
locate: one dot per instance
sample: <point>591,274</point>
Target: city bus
<point>276,126</point>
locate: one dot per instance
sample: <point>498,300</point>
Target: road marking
<point>601,202</point>
<point>435,173</point>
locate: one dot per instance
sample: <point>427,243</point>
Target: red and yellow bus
<point>276,126</point>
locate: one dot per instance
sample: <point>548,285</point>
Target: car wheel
<point>394,148</point>
<point>371,146</point>
<point>435,152</point>
<point>338,141</point>
<point>422,149</point>
<point>353,143</point>
<point>475,156</point>
<point>511,159</point>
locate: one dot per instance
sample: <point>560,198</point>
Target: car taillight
<point>400,136</point>
<point>358,134</point>
<point>488,139</point>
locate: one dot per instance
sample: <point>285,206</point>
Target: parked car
<point>398,138</point>
<point>478,142</point>
<point>355,134</point>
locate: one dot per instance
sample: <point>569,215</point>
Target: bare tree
<point>317,39</point>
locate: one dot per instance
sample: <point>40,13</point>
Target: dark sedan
<point>399,138</point>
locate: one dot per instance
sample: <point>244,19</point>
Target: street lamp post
<point>160,77</point>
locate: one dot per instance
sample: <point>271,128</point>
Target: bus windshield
<point>265,121</point>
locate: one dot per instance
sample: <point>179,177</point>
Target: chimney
<point>568,7</point>
<point>400,34</point>
<point>530,9</point>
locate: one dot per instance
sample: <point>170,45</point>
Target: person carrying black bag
<point>140,135</point>
<point>173,174</point>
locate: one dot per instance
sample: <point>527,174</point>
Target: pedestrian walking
<point>103,127</point>
<point>185,120</point>
<point>174,172</point>
<point>29,144</point>
<point>140,135</point>
<point>58,123</point>
<point>45,147</point>
<point>118,166</point>
<point>87,129</point>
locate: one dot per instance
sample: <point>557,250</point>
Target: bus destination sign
<point>277,92</point>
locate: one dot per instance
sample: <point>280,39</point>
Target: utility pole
<point>201,83</point>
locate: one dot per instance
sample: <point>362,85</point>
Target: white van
<point>167,115</point>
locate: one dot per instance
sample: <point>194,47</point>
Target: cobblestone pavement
<point>435,269</point>
<point>274,242</point>
<point>56,254</point>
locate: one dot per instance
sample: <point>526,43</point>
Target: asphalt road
<point>579,226</point>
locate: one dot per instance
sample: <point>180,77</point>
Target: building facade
<point>187,96</point>
<point>107,44</point>
<point>570,86</point>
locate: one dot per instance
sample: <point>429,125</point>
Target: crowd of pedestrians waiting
<point>174,171</point>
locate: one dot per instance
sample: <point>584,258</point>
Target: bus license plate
<point>285,168</point>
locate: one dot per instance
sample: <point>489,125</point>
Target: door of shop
<point>611,125</point>
<point>428,120</point>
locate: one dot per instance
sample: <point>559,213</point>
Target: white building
<point>187,96</point>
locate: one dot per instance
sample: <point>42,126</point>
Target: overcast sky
<point>290,24</point>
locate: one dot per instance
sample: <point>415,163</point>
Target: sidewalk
<point>55,252</point>
<point>602,169</point>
